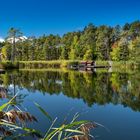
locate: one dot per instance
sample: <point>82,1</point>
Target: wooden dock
<point>88,65</point>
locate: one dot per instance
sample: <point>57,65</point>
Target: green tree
<point>134,47</point>
<point>72,54</point>
<point>123,49</point>
<point>88,40</point>
<point>115,56</point>
<point>103,42</point>
<point>6,51</point>
<point>88,55</point>
<point>13,34</point>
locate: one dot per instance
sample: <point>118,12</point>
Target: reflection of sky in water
<point>122,122</point>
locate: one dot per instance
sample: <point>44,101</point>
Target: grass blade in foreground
<point>2,107</point>
<point>43,111</point>
<point>29,130</point>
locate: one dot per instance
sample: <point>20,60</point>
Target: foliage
<point>93,42</point>
<point>13,34</point>
<point>88,55</point>
<point>13,120</point>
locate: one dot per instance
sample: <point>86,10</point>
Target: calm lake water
<point>111,99</point>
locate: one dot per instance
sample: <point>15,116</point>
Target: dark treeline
<point>117,88</point>
<point>100,43</point>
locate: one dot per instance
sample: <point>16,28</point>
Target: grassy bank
<point>9,65</point>
<point>46,64</point>
<point>63,64</point>
<point>119,64</point>
<point>37,64</point>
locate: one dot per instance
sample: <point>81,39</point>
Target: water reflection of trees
<point>100,88</point>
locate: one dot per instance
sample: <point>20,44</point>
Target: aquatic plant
<point>12,120</point>
<point>13,125</point>
<point>73,130</point>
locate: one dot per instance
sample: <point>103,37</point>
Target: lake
<point>111,99</point>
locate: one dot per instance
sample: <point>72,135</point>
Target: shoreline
<point>64,64</point>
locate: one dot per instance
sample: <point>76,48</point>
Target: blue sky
<point>37,17</point>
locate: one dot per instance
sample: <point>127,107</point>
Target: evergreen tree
<point>13,34</point>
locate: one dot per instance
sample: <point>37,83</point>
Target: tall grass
<point>11,121</point>
<point>121,65</point>
<point>64,64</point>
<point>46,64</point>
<point>79,130</point>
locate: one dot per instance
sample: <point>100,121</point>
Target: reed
<point>46,64</point>
<point>13,120</point>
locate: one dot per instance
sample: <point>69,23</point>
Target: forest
<point>119,43</point>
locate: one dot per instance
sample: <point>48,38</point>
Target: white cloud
<point>22,38</point>
<point>1,39</point>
